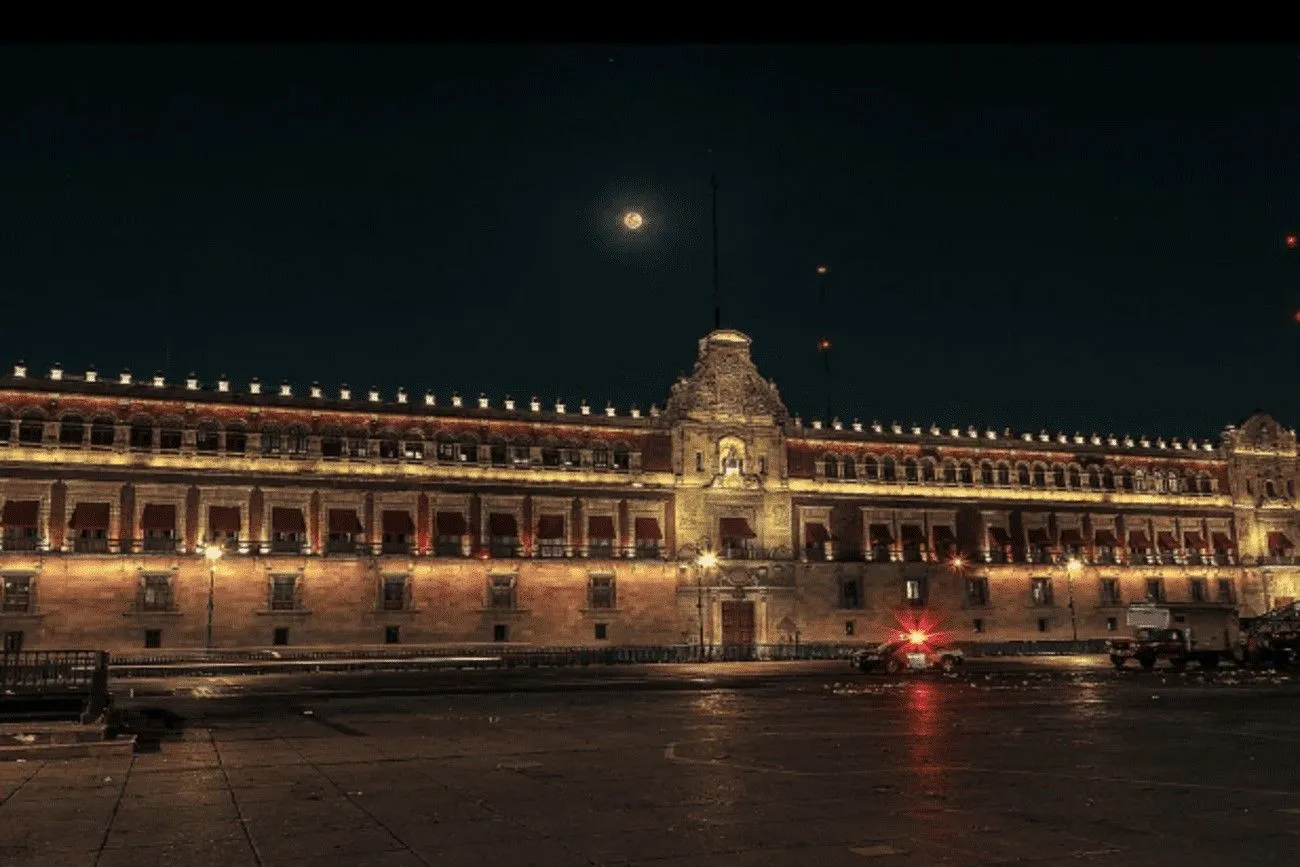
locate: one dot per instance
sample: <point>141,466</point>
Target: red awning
<point>911,533</point>
<point>344,522</point>
<point>734,528</point>
<point>1195,541</point>
<point>815,534</point>
<point>398,521</point>
<point>648,528</point>
<point>999,536</point>
<point>158,517</point>
<point>600,527</point>
<point>1039,536</point>
<point>1106,538</point>
<point>1222,542</point>
<point>881,535</point>
<point>1138,539</point>
<point>90,516</point>
<point>286,520</point>
<point>451,524</point>
<point>1071,536</point>
<point>500,524</point>
<point>550,527</point>
<point>223,519</point>
<point>21,513</point>
<point>1278,541</point>
<point>1166,540</point>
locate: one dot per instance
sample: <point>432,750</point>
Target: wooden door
<point>737,630</point>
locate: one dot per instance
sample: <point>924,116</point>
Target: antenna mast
<point>717,291</point>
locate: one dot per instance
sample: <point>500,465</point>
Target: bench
<point>54,685</point>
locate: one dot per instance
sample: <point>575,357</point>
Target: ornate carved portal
<point>725,384</point>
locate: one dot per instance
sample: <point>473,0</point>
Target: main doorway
<point>737,630</point>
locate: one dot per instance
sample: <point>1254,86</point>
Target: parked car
<point>914,651</point>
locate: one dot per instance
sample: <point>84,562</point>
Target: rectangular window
<point>413,449</point>
<point>1112,623</point>
<point>1225,590</point>
<point>850,628</point>
<point>1040,592</point>
<point>915,591</point>
<point>602,631</point>
<point>394,593</point>
<point>699,462</point>
<point>501,592</point>
<point>601,591</point>
<point>978,624</point>
<point>1042,624</point>
<point>14,641</point>
<point>850,593</point>
<point>1110,591</point>
<point>280,637</point>
<point>392,634</point>
<point>1197,590</point>
<point>500,632</point>
<point>449,452</point>
<point>284,592</point>
<point>18,593</point>
<point>977,591</point>
<point>1155,590</point>
<point>157,593</point>
<point>152,639</point>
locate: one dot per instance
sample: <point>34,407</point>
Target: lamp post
<point>1072,568</point>
<point>706,560</point>
<point>212,553</point>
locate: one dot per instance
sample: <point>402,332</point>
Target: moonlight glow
<point>633,221</point>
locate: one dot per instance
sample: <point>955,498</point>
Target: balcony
<point>91,545</point>
<point>401,548</point>
<point>343,545</point>
<point>21,543</point>
<point>158,545</point>
<point>286,546</point>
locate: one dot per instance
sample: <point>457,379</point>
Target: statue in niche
<point>732,462</point>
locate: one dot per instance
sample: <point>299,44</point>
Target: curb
<point>120,746</point>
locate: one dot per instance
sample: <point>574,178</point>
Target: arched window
<point>1022,475</point>
<point>6,427</point>
<point>331,443</point>
<point>830,467</point>
<point>236,439</point>
<point>1075,479</point>
<point>986,473</point>
<point>1058,476</point>
<point>355,445</point>
<point>207,438</point>
<point>169,435</point>
<point>1269,490</point>
<point>141,436</point>
<point>1207,485</point>
<point>102,432</point>
<point>1126,479</point>
<point>272,440</point>
<point>498,454</point>
<point>31,430</point>
<point>1094,478</point>
<point>72,431</point>
<point>888,469</point>
<point>1004,474</point>
<point>967,473</point>
<point>550,454</point>
<point>949,473</point>
<point>1108,479</point>
<point>295,440</point>
<point>909,470</point>
<point>622,457</point>
<point>927,471</point>
<point>413,445</point>
<point>390,447</point>
<point>1040,476</point>
<point>870,468</point>
<point>850,468</point>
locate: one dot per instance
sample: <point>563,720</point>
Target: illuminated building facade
<point>140,514</point>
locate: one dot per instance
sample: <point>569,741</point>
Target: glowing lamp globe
<point>633,221</point>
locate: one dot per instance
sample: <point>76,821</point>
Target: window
<point>850,468</point>
<point>550,536</point>
<point>392,634</point>
<point>1110,591</point>
<point>850,593</point>
<point>1075,481</point>
<point>295,441</point>
<point>447,451</point>
<point>1042,624</point>
<point>622,459</point>
<point>978,624</point>
<point>600,591</point>
<point>271,441</point>
<point>284,593</point>
<point>390,447</point>
<point>977,591</point>
<point>18,593</point>
<point>31,430</point>
<point>1022,475</point>
<point>762,467</point>
<point>1197,592</point>
<point>1224,590</point>
<point>831,468</point>
<point>501,592</point>
<point>169,437</point>
<point>6,427</point>
<point>1112,624</point>
<point>14,641</point>
<point>356,446</point>
<point>550,456</point>
<point>393,597</point>
<point>152,639</point>
<point>600,459</point>
<point>1094,478</point>
<point>102,433</point>
<point>949,473</point>
<point>331,444</point>
<point>1155,590</point>
<point>1058,476</point>
<point>602,631</point>
<point>967,474</point>
<point>500,632</point>
<point>156,595</point>
<point>909,470</point>
<point>140,438</point>
<point>1040,591</point>
<point>236,440</point>
<point>413,448</point>
<point>850,628</point>
<point>927,471</point>
<point>280,637</point>
<point>888,469</point>
<point>71,431</point>
<point>915,591</point>
<point>600,537</point>
<point>986,474</point>
<point>1004,474</point>
<point>870,468</point>
<point>207,438</point>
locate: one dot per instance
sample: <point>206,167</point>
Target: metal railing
<point>54,683</point>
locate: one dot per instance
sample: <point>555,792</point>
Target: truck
<point>1178,633</point>
<point>1272,640</point>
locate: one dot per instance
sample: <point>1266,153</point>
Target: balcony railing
<point>158,545</point>
<point>21,543</point>
<point>286,546</point>
<point>92,545</point>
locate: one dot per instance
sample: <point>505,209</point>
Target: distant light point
<point>1292,242</point>
<point>821,269</point>
<point>633,221</point>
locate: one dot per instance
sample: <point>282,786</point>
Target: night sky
<point>1076,238</point>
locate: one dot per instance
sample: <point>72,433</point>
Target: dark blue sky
<point>1072,237</point>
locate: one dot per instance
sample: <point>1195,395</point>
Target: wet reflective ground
<point>816,766</point>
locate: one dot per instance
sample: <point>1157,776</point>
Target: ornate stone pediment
<point>1262,432</point>
<point>725,385</point>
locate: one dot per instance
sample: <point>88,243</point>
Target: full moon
<point>632,220</point>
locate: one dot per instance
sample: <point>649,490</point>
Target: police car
<point>911,651</point>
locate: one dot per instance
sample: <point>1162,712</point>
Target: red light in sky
<point>1292,242</point>
<point>1297,316</point>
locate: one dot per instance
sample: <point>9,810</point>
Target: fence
<point>54,683</point>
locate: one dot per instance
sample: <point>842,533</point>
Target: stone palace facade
<point>141,514</point>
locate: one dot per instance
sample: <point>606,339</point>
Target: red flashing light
<point>1297,316</point>
<point>1292,242</point>
<point>916,636</point>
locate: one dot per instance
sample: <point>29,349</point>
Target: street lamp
<point>1072,568</point>
<point>707,559</point>
<point>212,553</point>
